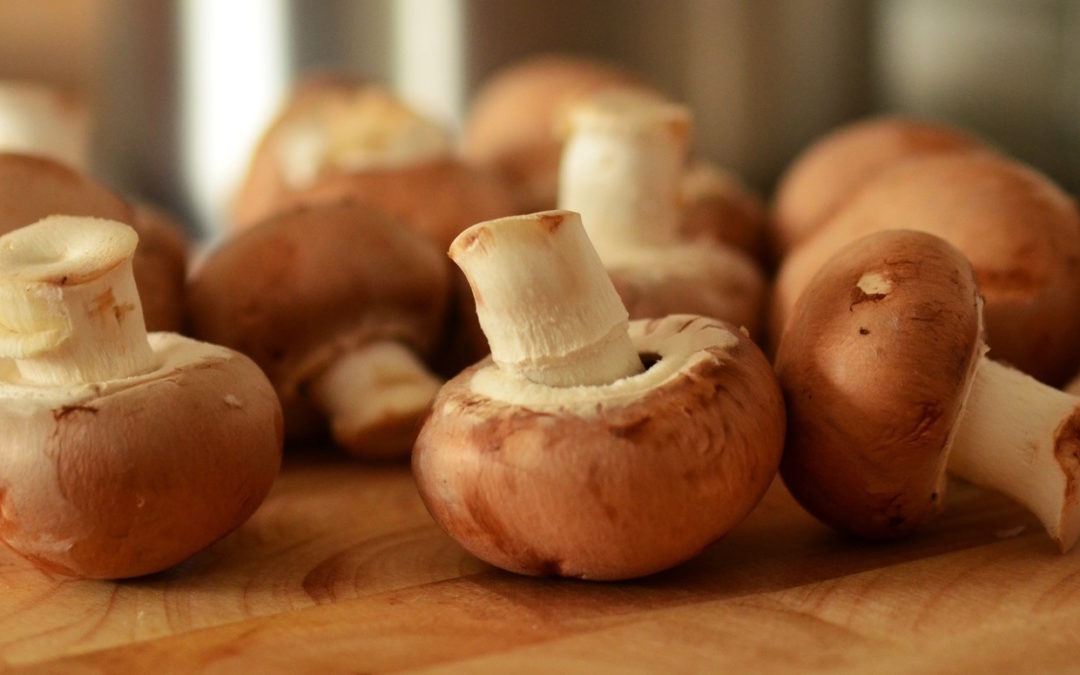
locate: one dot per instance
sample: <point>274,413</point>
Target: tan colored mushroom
<point>832,170</point>
<point>884,370</point>
<point>1019,230</point>
<point>39,119</point>
<point>124,453</point>
<point>34,187</point>
<point>588,446</point>
<point>622,169</point>
<point>718,206</point>
<point>339,305</point>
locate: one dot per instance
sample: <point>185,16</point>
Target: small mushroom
<point>588,446</point>
<point>39,119</point>
<point>338,304</point>
<point>33,187</point>
<point>124,453</point>
<point>718,206</point>
<point>622,169</point>
<point>511,123</point>
<point>887,383</point>
<point>1020,231</point>
<point>832,170</point>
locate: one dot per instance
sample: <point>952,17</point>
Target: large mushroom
<point>588,446</point>
<point>339,304</point>
<point>33,187</point>
<point>124,453</point>
<point>622,169</point>
<point>887,383</point>
<point>1019,230</point>
<point>832,170</point>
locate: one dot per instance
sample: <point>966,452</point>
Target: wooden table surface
<point>342,570</point>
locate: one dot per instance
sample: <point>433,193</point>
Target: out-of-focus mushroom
<point>338,304</point>
<point>832,170</point>
<point>887,384</point>
<point>622,169</point>
<point>39,119</point>
<point>512,122</point>
<point>718,206</point>
<point>585,448</point>
<point>123,453</point>
<point>33,187</point>
<point>1019,230</point>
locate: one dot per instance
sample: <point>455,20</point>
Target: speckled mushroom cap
<point>875,366</point>
<point>829,172</point>
<point>610,481</point>
<point>303,287</point>
<point>511,124</point>
<point>32,188</point>
<point>1019,230</point>
<point>131,476</point>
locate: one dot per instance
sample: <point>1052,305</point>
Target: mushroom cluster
<point>588,446</point>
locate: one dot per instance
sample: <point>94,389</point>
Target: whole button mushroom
<point>884,370</point>
<point>717,205</point>
<point>338,304</point>
<point>1019,230</point>
<point>622,169</point>
<point>33,187</point>
<point>585,448</point>
<point>832,170</point>
<point>124,453</point>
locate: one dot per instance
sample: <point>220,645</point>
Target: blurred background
<point>183,88</point>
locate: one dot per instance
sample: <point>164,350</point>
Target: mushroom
<point>124,453</point>
<point>887,383</point>
<point>1019,230</point>
<point>718,206</point>
<point>39,119</point>
<point>828,173</point>
<point>511,123</point>
<point>588,446</point>
<point>622,169</point>
<point>338,304</point>
<point>33,187</point>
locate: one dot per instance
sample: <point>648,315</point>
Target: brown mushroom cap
<point>606,485</point>
<point>1019,230</point>
<point>829,172</point>
<point>303,287</point>
<point>32,188</point>
<point>719,207</point>
<point>132,476</point>
<point>511,124</point>
<point>875,366</point>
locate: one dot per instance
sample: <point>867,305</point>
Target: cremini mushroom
<point>587,446</point>
<point>1019,230</point>
<point>339,305</point>
<point>33,187</point>
<point>887,383</point>
<point>124,453</point>
<point>717,205</point>
<point>829,172</point>
<point>622,169</point>
<point>39,119</point>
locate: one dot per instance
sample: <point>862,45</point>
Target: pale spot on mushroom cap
<point>233,402</point>
<point>874,283</point>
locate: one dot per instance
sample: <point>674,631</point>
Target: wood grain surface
<point>342,570</point>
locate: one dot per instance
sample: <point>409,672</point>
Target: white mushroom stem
<point>69,310</point>
<point>374,397</point>
<point>544,300</point>
<point>1022,438</point>
<point>36,119</point>
<point>622,168</point>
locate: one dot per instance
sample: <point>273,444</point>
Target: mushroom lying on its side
<point>887,384</point>
<point>584,448</point>
<point>123,453</point>
<point>338,304</point>
<point>622,169</point>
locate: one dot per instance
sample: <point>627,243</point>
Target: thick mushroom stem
<point>622,168</point>
<point>69,310</point>
<point>374,398</point>
<point>544,300</point>
<point>39,120</point>
<point>1022,438</point>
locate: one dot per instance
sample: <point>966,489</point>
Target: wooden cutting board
<point>342,570</point>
